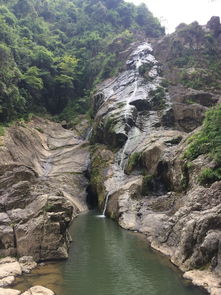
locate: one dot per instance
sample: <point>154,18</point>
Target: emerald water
<point>107,260</point>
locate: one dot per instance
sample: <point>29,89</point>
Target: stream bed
<point>107,260</point>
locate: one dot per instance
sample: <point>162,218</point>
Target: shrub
<point>208,140</point>
<point>145,68</point>
<point>209,175</point>
<point>133,162</point>
<point>158,98</point>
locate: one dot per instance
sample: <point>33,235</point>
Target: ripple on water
<point>107,260</point>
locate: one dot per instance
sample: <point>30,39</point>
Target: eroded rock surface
<point>42,188</point>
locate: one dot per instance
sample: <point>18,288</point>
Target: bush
<point>145,68</point>
<point>133,162</point>
<point>208,140</point>
<point>158,98</point>
<point>208,176</point>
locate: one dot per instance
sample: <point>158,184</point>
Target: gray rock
<point>38,290</point>
<point>160,195</point>
<point>4,291</point>
<point>9,267</point>
<point>43,188</point>
<point>7,281</point>
<point>27,263</point>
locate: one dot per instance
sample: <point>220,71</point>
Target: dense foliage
<point>208,141</point>
<point>52,51</point>
<point>193,53</point>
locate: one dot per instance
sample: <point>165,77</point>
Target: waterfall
<point>123,155</point>
<point>105,206</point>
<point>138,64</point>
<point>106,202</point>
<point>89,132</point>
<point>142,55</point>
<point>125,117</point>
<point>130,99</point>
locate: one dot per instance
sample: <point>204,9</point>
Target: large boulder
<point>27,263</point>
<point>4,291</point>
<point>38,290</point>
<point>9,269</point>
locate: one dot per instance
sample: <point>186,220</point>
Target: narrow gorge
<point>96,203</point>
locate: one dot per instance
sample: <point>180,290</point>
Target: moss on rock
<point>133,162</point>
<point>101,157</point>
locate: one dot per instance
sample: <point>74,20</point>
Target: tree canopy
<point>52,51</point>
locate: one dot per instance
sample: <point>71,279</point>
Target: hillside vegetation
<point>208,142</point>
<point>52,51</point>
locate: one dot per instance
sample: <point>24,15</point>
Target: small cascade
<point>105,206</point>
<point>123,155</point>
<point>141,56</point>
<point>106,202</point>
<point>129,100</point>
<point>88,134</point>
<point>138,64</point>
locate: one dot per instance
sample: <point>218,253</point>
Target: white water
<point>88,135</point>
<point>142,55</point>
<point>138,64</point>
<point>105,206</point>
<point>130,99</point>
<point>106,202</point>
<point>125,118</point>
<point>123,155</point>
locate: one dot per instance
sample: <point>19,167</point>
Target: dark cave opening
<point>92,199</point>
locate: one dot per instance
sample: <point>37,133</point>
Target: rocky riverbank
<point>10,268</point>
<point>32,291</point>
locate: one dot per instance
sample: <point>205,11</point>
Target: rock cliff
<point>143,119</point>
<point>42,187</point>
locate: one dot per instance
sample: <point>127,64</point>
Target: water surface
<point>107,260</point>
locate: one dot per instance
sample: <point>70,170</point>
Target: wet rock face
<point>145,181</point>
<point>42,187</point>
<point>120,102</point>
